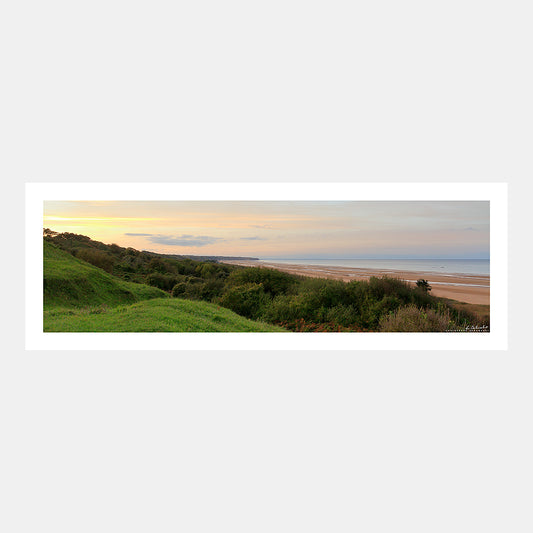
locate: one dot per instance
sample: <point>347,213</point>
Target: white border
<point>496,193</point>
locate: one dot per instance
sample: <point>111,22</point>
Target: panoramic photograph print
<point>266,266</point>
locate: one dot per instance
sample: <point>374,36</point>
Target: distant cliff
<point>204,257</point>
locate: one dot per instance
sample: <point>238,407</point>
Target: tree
<point>424,285</point>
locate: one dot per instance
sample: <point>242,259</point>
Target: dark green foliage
<point>247,300</point>
<point>192,290</point>
<point>164,282</point>
<point>381,287</point>
<point>206,270</point>
<point>162,266</point>
<point>274,282</point>
<point>212,289</point>
<point>423,285</point>
<point>98,258</point>
<point>179,289</point>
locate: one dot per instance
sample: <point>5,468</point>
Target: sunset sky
<point>422,229</point>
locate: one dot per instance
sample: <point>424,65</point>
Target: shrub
<point>97,258</point>
<point>423,285</point>
<point>186,266</point>
<point>344,315</point>
<point>197,290</point>
<point>385,286</point>
<point>274,282</point>
<point>247,300</point>
<point>283,308</point>
<point>179,289</point>
<point>162,281</point>
<point>163,266</point>
<point>414,319</point>
<point>375,310</point>
<point>212,288</point>
<point>206,270</point>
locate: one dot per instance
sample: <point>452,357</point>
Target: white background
<point>265,441</point>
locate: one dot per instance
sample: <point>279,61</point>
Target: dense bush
<point>162,266</point>
<point>248,300</point>
<point>97,258</point>
<point>162,281</point>
<point>273,281</point>
<point>283,308</point>
<point>190,291</point>
<point>179,290</point>
<point>414,319</point>
<point>343,315</point>
<point>385,286</point>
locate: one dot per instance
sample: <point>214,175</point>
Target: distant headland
<point>217,258</point>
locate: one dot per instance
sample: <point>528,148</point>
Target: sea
<point>441,266</point>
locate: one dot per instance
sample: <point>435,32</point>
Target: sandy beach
<point>467,288</point>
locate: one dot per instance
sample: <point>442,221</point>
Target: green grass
<point>81,297</point>
<point>71,282</point>
<point>169,314</point>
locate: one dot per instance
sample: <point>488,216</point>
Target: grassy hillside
<point>81,297</point>
<point>171,314</point>
<point>70,282</point>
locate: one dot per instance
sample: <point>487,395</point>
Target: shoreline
<point>468,288</point>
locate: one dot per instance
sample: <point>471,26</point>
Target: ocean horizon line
<point>375,258</point>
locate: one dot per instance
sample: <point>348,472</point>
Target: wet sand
<point>467,288</point>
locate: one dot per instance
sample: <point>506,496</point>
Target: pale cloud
<point>184,240</point>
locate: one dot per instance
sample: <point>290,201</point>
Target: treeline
<point>294,302</point>
<point>127,263</point>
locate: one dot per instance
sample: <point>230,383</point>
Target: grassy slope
<point>70,282</point>
<point>81,297</point>
<point>171,314</point>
